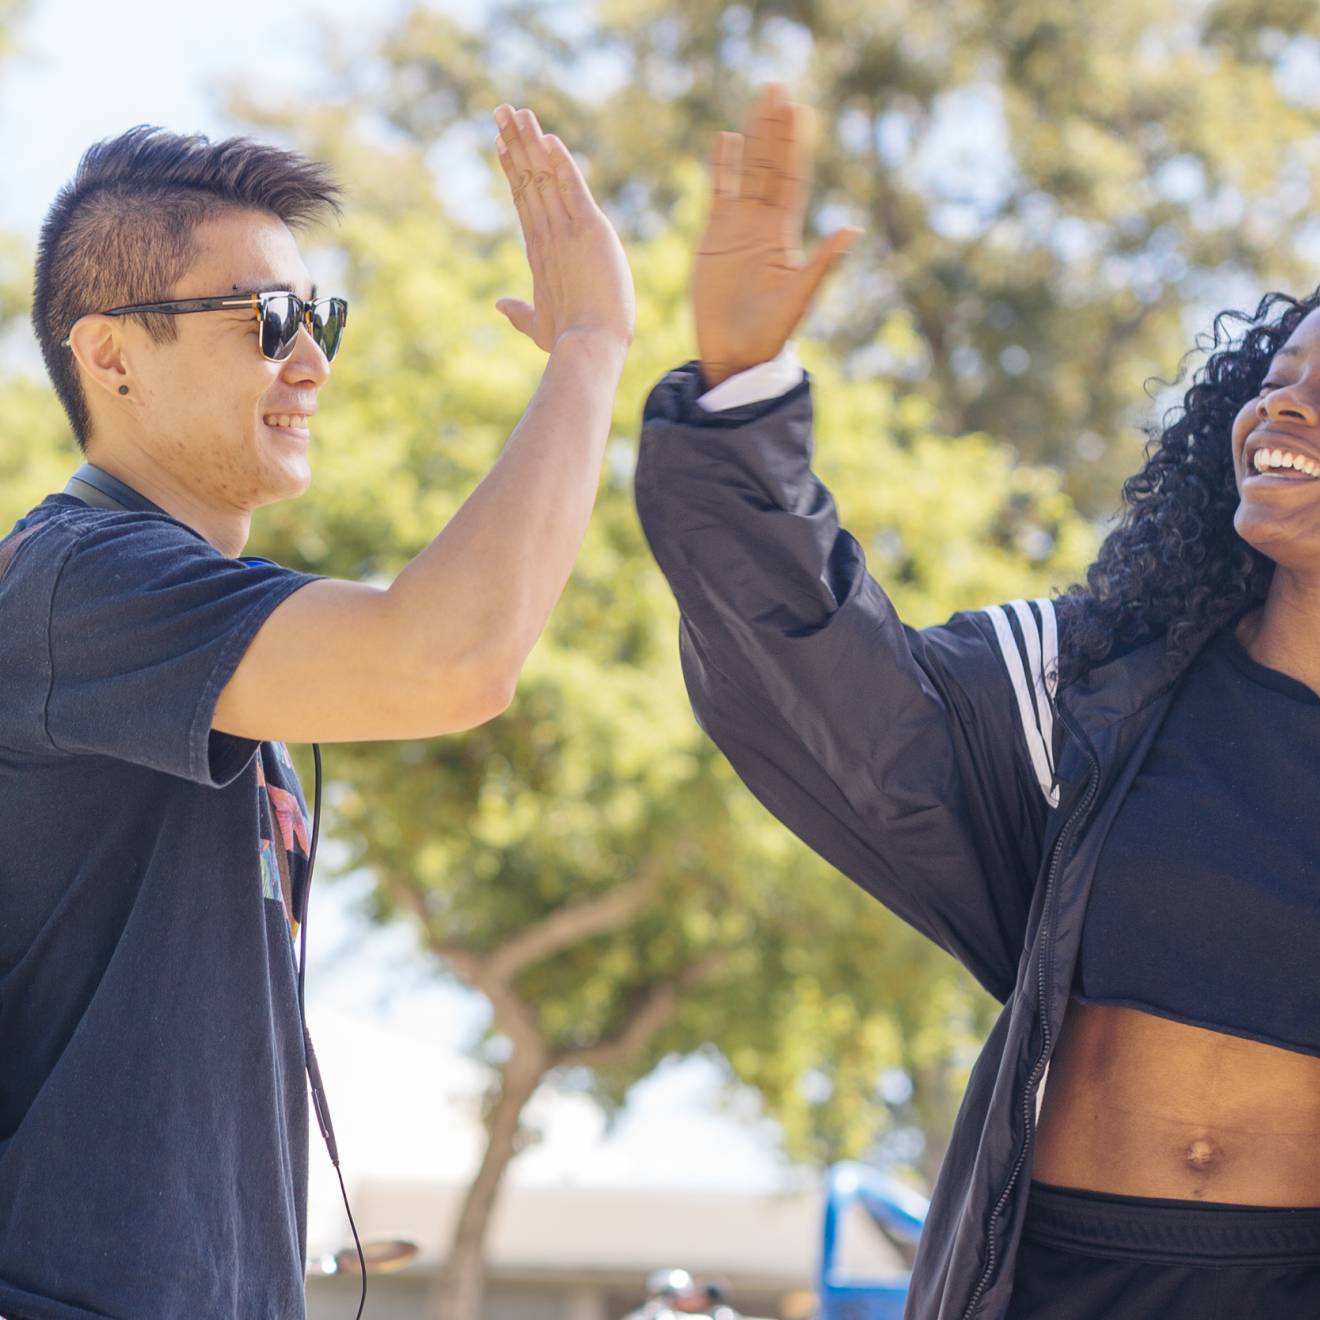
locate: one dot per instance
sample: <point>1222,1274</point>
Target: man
<point>153,1121</point>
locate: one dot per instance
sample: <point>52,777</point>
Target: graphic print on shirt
<point>288,826</point>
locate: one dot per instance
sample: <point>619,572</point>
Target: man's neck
<point>227,531</point>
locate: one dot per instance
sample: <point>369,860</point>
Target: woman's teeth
<point>1266,460</point>
<point>298,420</point>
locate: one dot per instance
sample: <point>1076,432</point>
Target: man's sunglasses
<point>279,317</point>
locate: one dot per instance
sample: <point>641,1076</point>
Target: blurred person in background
<point>1103,805</point>
<point>153,1110</point>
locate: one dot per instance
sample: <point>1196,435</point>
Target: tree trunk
<point>460,1283</point>
<point>936,1106</point>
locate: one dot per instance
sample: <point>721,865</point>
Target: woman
<point>1186,1079</point>
<point>1103,806</point>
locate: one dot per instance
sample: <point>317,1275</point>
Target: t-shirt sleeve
<point>147,624</point>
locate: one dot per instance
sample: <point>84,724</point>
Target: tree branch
<point>572,924</point>
<point>652,1013</point>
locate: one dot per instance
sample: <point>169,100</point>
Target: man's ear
<point>97,343</point>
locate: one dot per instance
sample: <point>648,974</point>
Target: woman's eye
<point>1267,385</point>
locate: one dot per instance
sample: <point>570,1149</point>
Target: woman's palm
<point>751,285</point>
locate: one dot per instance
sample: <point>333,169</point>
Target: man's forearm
<point>484,588</point>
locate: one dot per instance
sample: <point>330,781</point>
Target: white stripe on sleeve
<point>1012,654</point>
<point>1033,636</point>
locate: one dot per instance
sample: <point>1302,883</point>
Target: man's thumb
<point>520,314</point>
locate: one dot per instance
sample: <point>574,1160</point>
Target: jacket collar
<point>1125,685</point>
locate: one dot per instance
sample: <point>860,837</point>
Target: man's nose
<point>307,362</point>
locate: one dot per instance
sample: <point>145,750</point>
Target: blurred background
<point>583,1008</point>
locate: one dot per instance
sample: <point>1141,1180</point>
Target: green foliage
<point>11,11</point>
<point>598,772</point>
<point>1053,191</point>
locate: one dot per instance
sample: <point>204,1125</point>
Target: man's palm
<point>751,286</point>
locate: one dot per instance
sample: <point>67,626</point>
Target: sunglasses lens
<point>280,319</point>
<point>328,317</point>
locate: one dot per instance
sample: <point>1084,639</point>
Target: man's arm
<point>441,648</point>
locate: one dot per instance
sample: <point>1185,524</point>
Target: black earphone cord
<point>319,1105</point>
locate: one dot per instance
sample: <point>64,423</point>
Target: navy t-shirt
<point>153,1108</point>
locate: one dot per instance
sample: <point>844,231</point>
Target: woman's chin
<point>1288,538</point>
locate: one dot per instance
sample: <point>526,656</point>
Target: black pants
<point>1096,1256</point>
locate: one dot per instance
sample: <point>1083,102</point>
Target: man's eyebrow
<point>272,286</point>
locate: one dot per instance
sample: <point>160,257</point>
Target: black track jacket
<point>933,767</point>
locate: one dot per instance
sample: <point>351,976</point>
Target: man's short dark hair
<point>122,230</point>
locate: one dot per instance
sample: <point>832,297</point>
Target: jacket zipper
<point>1033,1079</point>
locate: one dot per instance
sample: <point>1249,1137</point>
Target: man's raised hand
<point>581,283</point>
<point>751,285</point>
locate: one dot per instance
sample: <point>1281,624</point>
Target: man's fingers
<point>544,180</point>
<point>521,315</point>
<point>518,169</point>
<point>517,184</point>
<point>573,188</point>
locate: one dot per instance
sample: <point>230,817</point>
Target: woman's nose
<point>1292,403</point>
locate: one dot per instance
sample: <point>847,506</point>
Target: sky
<point>86,71</point>
<point>393,1039</point>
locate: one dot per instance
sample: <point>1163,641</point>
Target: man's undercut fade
<point>123,230</point>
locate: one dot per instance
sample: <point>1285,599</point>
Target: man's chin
<point>286,481</point>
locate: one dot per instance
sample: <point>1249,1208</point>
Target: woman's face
<point>1276,455</point>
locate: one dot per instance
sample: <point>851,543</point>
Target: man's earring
<point>123,389</point>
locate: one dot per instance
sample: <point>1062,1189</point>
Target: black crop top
<point>1205,906</point>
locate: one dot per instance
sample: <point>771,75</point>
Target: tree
<point>1055,193</point>
<point>11,11</point>
<point>587,861</point>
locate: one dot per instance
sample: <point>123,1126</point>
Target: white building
<point>576,1253</point>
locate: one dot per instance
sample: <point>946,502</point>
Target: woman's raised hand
<point>750,284</point>
<point>581,283</point>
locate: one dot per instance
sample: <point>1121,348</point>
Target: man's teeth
<point>1265,459</point>
<point>300,420</point>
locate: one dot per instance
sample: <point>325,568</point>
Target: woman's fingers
<point>758,163</point>
<point>725,160</point>
<point>828,251</point>
<point>793,168</point>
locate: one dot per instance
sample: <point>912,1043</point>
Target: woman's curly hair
<point>1175,565</point>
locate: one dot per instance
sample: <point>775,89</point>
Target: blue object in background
<point>894,1207</point>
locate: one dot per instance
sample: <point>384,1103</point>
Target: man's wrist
<point>608,346</point>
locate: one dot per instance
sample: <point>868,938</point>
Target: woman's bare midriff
<point>1142,1106</point>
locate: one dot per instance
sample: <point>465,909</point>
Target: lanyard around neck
<point>95,486</point>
